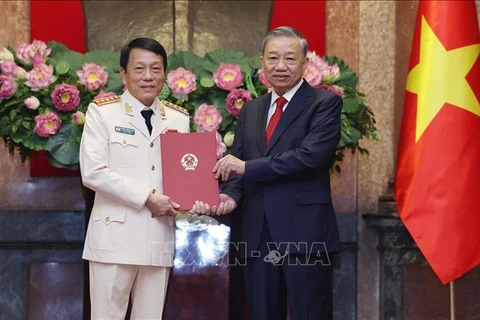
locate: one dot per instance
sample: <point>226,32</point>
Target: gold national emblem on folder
<point>189,161</point>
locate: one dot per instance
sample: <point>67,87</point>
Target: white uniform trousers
<point>111,286</point>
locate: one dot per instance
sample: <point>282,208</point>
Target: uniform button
<point>151,144</point>
<point>107,219</point>
<point>153,168</point>
<point>124,141</point>
<point>153,191</point>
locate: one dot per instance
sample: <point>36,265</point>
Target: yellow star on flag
<point>439,78</point>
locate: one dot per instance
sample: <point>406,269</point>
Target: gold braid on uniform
<point>103,101</point>
<point>174,106</point>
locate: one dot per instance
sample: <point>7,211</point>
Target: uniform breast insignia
<point>189,161</point>
<point>128,108</point>
<point>174,106</point>
<point>107,100</point>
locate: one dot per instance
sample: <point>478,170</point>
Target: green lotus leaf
<point>63,146</point>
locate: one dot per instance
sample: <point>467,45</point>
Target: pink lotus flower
<point>331,73</point>
<point>228,76</point>
<point>5,55</point>
<point>221,148</point>
<point>335,89</point>
<point>9,68</point>
<point>34,53</point>
<point>47,124</point>
<point>207,118</point>
<point>31,103</point>
<point>40,48</point>
<point>103,94</point>
<point>317,60</point>
<point>40,77</point>
<point>65,97</point>
<point>313,74</point>
<point>182,82</point>
<point>78,118</point>
<point>236,99</point>
<point>21,52</point>
<point>92,76</point>
<point>8,87</point>
<point>263,79</point>
<point>38,60</point>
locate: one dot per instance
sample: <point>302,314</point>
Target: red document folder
<point>187,163</point>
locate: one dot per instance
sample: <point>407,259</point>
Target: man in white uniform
<point>130,235</point>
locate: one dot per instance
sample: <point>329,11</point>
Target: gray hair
<point>286,31</point>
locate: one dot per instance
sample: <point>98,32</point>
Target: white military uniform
<point>121,162</point>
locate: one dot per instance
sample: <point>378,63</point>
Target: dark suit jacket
<point>288,182</point>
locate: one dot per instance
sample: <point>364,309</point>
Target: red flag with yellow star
<point>437,185</point>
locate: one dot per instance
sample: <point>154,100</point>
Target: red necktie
<point>274,119</point>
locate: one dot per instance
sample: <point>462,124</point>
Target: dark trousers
<point>306,286</point>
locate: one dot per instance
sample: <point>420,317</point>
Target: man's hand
<point>161,205</point>
<point>227,165</point>
<point>227,204</point>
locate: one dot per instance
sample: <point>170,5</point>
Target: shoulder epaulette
<point>107,100</point>
<point>174,106</point>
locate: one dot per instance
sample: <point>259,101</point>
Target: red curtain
<point>308,17</point>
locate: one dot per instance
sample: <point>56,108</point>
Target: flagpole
<point>452,300</point>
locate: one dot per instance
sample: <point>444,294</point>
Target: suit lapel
<point>294,108</point>
<point>262,113</point>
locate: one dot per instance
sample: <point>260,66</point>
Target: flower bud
<point>78,118</point>
<point>31,103</point>
<point>228,138</point>
<point>5,55</point>
<point>21,73</point>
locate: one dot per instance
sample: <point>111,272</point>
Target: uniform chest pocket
<point>124,150</point>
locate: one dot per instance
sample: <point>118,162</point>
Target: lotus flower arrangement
<point>45,90</point>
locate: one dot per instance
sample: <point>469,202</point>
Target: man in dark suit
<point>279,169</point>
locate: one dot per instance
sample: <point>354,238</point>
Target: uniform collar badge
<point>162,111</point>
<point>128,108</point>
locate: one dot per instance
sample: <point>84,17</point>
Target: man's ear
<point>305,62</point>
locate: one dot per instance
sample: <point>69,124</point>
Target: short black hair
<point>143,43</point>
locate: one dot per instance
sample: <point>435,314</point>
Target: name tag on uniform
<point>125,130</point>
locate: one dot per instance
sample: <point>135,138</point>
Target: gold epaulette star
<point>103,101</point>
<point>174,106</point>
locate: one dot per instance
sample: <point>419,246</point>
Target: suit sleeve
<point>315,151</point>
<point>234,185</point>
<point>96,173</point>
